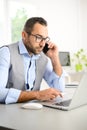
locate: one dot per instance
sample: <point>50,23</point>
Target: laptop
<point>78,99</point>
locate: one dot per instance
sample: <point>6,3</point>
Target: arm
<point>6,95</point>
<point>54,75</point>
<point>52,53</point>
<point>48,94</point>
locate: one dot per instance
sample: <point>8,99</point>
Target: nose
<point>42,43</point>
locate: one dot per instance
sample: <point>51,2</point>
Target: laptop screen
<point>64,58</point>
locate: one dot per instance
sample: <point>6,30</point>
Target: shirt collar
<point>23,51</point>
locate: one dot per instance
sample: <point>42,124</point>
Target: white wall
<point>67,20</point>
<point>83,23</point>
<point>64,25</point>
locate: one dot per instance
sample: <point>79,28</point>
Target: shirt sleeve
<point>12,96</point>
<point>53,80</point>
<point>6,95</point>
<point>9,95</point>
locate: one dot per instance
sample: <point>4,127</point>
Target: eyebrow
<point>40,36</point>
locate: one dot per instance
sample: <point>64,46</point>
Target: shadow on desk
<point>5,128</point>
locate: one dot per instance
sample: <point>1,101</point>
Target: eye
<point>38,37</point>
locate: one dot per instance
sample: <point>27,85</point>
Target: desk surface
<point>13,116</point>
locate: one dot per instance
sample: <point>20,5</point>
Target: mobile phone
<point>45,49</point>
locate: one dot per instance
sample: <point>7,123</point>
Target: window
<point>13,15</point>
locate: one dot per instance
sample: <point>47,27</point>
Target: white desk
<point>72,77</point>
<point>13,116</point>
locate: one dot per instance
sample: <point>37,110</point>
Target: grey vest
<point>16,71</point>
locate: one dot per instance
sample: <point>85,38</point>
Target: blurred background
<point>67,21</point>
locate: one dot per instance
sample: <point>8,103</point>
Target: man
<point>23,65</point>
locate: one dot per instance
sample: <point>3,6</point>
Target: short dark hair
<point>28,27</point>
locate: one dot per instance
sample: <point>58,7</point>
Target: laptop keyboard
<point>64,103</point>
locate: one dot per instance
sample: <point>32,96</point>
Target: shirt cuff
<point>53,76</point>
<point>12,96</point>
<point>58,82</point>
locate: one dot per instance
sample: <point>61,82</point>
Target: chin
<point>37,53</point>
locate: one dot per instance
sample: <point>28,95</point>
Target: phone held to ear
<point>45,49</point>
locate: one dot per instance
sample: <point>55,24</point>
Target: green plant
<point>80,60</point>
<point>17,23</point>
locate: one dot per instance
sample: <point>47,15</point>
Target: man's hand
<point>53,50</point>
<point>48,94</point>
<point>53,54</point>
<point>44,95</point>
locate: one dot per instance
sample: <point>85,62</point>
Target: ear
<point>23,35</point>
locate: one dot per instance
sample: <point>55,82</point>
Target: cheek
<point>32,46</point>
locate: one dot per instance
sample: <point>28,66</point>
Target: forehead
<point>40,29</point>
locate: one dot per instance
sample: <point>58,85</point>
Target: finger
<point>52,97</point>
<point>60,94</point>
<point>50,45</point>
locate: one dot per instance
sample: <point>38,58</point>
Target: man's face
<point>35,42</point>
